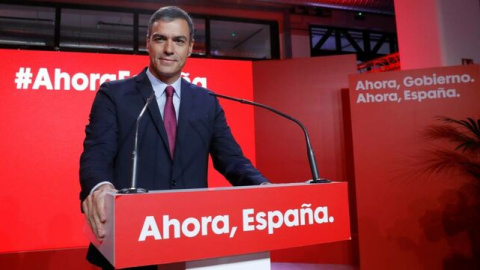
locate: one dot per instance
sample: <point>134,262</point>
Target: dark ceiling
<point>380,6</point>
<point>374,6</point>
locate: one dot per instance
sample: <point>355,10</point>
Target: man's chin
<point>167,77</point>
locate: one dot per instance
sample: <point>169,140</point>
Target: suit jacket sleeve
<point>100,145</point>
<point>227,155</point>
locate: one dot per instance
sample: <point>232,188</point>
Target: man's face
<point>169,46</point>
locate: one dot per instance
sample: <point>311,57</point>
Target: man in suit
<point>181,127</point>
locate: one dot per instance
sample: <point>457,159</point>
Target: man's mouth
<point>169,60</point>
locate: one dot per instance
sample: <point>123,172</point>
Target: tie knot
<point>169,90</point>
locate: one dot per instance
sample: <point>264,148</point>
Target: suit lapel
<point>185,110</point>
<point>145,88</point>
<point>186,107</point>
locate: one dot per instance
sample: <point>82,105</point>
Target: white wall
<point>459,23</point>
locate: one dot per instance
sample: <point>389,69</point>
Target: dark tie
<point>170,119</point>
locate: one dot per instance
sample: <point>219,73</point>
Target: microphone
<point>311,155</point>
<point>133,188</point>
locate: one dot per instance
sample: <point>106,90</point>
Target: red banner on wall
<point>411,202</point>
<point>46,98</point>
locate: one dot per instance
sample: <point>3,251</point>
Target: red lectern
<point>162,227</point>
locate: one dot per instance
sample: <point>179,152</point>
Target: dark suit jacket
<point>202,130</point>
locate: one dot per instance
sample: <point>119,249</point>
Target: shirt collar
<point>159,86</point>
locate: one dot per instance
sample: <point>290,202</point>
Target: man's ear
<point>190,48</point>
<point>147,43</point>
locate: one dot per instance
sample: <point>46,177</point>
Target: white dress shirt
<point>159,89</point>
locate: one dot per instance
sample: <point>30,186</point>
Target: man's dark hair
<point>169,14</point>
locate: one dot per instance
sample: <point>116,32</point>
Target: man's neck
<point>164,79</point>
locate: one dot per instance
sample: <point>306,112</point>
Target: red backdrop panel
<point>43,130</point>
<point>310,90</point>
<point>409,217</point>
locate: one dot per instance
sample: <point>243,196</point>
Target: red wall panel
<point>71,259</point>
<point>310,90</point>
<point>410,216</point>
<point>46,98</point>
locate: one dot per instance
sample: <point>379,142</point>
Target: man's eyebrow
<point>157,35</point>
<point>162,35</point>
<point>180,37</point>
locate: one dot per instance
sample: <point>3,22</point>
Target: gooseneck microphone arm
<point>133,188</point>
<point>311,155</point>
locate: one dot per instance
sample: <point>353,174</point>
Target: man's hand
<point>94,208</point>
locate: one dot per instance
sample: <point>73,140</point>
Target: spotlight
<point>359,16</point>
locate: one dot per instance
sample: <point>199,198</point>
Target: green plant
<point>465,157</point>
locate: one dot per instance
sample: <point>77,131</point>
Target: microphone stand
<point>311,155</point>
<point>133,188</point>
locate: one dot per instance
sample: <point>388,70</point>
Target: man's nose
<point>168,47</point>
